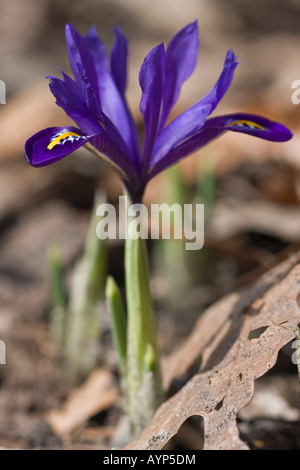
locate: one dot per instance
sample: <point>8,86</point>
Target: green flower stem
<point>143,374</point>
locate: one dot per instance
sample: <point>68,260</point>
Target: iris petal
<point>118,65</point>
<point>250,124</point>
<point>151,82</point>
<point>113,154</point>
<point>118,60</point>
<point>79,54</point>
<point>181,60</point>
<point>111,101</point>
<point>69,97</point>
<point>193,119</point>
<point>52,144</point>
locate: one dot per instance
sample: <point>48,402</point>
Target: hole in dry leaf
<point>190,436</point>
<point>219,405</point>
<point>254,334</point>
<point>298,300</point>
<point>284,364</point>
<point>179,382</point>
<point>270,421</point>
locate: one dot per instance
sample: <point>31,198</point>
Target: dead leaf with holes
<point>238,340</point>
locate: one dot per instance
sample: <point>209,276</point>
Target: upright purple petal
<point>118,65</point>
<point>181,60</point>
<point>52,144</point>
<point>79,54</point>
<point>193,119</point>
<point>118,60</point>
<point>69,97</point>
<point>88,59</point>
<point>111,101</point>
<point>250,124</point>
<point>151,82</point>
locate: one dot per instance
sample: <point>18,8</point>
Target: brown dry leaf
<point>232,217</point>
<point>238,339</point>
<point>95,395</point>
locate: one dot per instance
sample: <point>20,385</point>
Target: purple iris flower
<point>96,101</point>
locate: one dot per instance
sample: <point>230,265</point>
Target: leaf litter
<point>238,340</point>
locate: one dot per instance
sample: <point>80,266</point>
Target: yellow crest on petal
<point>62,137</point>
<point>247,124</point>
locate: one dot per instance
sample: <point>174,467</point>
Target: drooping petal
<point>118,60</point>
<point>69,97</point>
<point>52,144</point>
<point>192,120</point>
<point>151,81</point>
<point>250,124</point>
<point>181,60</point>
<point>113,154</point>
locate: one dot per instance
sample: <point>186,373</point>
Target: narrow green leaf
<point>58,295</point>
<point>118,320</point>
<point>83,331</point>
<point>95,253</point>
<point>149,360</point>
<point>206,185</point>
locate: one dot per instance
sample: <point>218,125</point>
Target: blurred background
<point>251,189</point>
